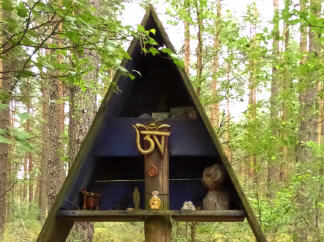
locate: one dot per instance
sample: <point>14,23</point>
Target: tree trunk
<point>252,91</point>
<point>4,123</point>
<point>45,151</point>
<point>308,119</point>
<point>214,109</point>
<point>12,170</point>
<point>228,114</point>
<point>29,156</point>
<point>83,107</point>
<point>199,48</point>
<point>187,46</point>
<point>273,164</point>
<point>286,149</point>
<point>55,164</point>
<point>5,83</point>
<point>25,194</point>
<point>56,172</point>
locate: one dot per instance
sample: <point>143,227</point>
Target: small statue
<point>90,200</point>
<point>217,197</point>
<point>136,198</point>
<point>155,202</point>
<point>188,205</point>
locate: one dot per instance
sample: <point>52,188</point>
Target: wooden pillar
<point>157,228</point>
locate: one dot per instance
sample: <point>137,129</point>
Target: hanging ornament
<point>153,171</point>
<point>155,202</point>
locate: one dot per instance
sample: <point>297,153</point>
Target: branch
<point>34,52</point>
<point>8,190</point>
<point>24,32</point>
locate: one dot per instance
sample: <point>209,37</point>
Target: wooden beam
<point>157,228</point>
<point>210,216</point>
<point>140,215</point>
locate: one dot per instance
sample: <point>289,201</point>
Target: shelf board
<point>140,215</point>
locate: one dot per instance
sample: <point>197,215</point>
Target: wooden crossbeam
<point>140,215</point>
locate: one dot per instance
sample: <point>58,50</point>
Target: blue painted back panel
<point>188,138</point>
<point>118,195</point>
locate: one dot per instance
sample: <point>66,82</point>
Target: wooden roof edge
<point>255,226</point>
<point>49,225</point>
<point>162,31</point>
<point>51,221</point>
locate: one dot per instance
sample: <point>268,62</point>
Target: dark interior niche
<point>158,89</point>
<point>116,177</point>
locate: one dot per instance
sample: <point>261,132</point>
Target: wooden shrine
<point>150,155</point>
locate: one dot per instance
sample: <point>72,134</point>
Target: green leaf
<point>22,10</point>
<point>69,18</point>
<point>179,62</point>
<point>121,68</point>
<point>20,135</point>
<point>6,5</point>
<point>153,51</point>
<point>27,41</point>
<point>5,140</point>
<point>131,76</point>
<point>23,116</point>
<point>140,28</point>
<point>3,106</point>
<point>3,132</point>
<point>153,31</point>
<point>73,36</point>
<point>27,73</point>
<point>166,50</point>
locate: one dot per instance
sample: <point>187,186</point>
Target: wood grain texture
<point>140,215</point>
<point>157,228</point>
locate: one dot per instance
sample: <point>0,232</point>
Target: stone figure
<point>217,197</point>
<point>136,198</point>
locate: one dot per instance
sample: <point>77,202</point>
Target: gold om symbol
<point>150,133</point>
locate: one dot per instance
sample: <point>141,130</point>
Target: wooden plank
<point>210,216</point>
<point>157,228</point>
<point>140,215</point>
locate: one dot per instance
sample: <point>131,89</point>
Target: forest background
<point>260,81</point>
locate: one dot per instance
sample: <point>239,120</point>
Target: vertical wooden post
<point>157,228</point>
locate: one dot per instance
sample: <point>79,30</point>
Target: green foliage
<point>59,39</point>
<point>23,225</point>
<point>127,232</point>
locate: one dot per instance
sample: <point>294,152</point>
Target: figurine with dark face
<point>217,197</point>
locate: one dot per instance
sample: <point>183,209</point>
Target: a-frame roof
<point>57,229</point>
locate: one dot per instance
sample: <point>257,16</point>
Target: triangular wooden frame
<point>56,228</point>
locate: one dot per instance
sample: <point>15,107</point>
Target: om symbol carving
<point>151,134</point>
